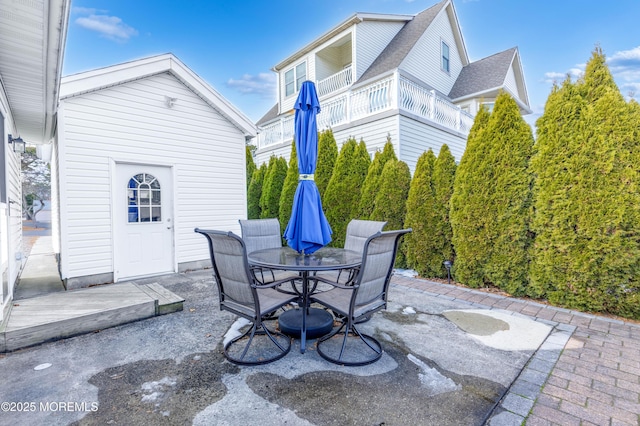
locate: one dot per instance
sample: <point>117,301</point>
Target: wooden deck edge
<point>168,302</point>
<point>83,324</point>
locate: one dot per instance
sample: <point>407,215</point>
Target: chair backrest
<point>377,266</point>
<point>231,269</point>
<point>358,231</point>
<point>259,234</point>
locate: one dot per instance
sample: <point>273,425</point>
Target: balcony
<point>393,92</point>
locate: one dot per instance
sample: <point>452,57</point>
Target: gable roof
<point>91,81</point>
<point>347,23</point>
<point>488,75</point>
<point>270,115</point>
<point>400,46</point>
<point>32,40</point>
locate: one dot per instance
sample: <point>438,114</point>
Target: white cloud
<point>625,67</point>
<point>107,26</point>
<point>263,84</point>
<point>558,77</point>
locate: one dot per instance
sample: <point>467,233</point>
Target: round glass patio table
<point>325,259</point>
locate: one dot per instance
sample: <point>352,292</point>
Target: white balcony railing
<point>382,95</point>
<point>335,82</point>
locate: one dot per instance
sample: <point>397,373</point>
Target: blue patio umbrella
<point>308,229</point>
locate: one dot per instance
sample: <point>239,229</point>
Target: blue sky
<point>234,44</point>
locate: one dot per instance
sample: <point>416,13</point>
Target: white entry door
<point>143,221</point>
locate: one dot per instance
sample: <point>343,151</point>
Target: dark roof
<point>270,115</point>
<point>400,46</point>
<point>484,74</point>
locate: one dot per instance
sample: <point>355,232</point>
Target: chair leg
<point>370,345</point>
<point>263,354</point>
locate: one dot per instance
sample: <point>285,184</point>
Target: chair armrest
<point>276,283</point>
<point>333,283</point>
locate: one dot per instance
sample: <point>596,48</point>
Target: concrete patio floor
<point>453,356</point>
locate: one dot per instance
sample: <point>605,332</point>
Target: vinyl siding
<point>510,82</point>
<point>263,156</point>
<point>130,122</point>
<point>14,193</point>
<point>374,134</point>
<point>417,137</point>
<point>371,39</point>
<point>424,60</point>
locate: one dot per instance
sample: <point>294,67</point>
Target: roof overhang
<point>492,93</point>
<point>457,33</point>
<point>102,78</point>
<point>32,40</point>
<point>337,30</point>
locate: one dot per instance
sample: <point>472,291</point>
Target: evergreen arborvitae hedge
<point>444,173</point>
<point>342,195</point>
<point>251,165</point>
<point>418,245</point>
<point>372,181</point>
<point>587,194</point>
<point>289,189</point>
<point>391,199</point>
<point>255,192</point>
<point>494,212</point>
<point>272,187</point>
<point>327,155</point>
<point>429,245</point>
<point>465,217</point>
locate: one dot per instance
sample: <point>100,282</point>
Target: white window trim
<point>293,69</point>
<point>444,43</point>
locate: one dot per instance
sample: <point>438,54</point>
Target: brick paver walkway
<point>595,379</point>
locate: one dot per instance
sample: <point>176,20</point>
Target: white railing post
<point>432,104</point>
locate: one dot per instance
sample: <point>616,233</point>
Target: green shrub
<point>272,187</point>
<point>372,181</point>
<point>418,246</point>
<point>391,199</point>
<point>327,155</point>
<point>444,173</point>
<point>429,245</point>
<point>342,195</point>
<point>494,212</point>
<point>466,216</point>
<point>251,165</point>
<point>289,189</point>
<point>255,192</point>
<point>587,194</point>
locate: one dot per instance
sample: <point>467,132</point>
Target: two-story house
<point>400,76</point>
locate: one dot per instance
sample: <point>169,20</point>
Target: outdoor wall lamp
<point>19,145</point>
<point>448,264</point>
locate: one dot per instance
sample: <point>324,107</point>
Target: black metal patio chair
<point>241,294</point>
<point>346,345</point>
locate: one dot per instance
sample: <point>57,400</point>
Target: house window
<point>143,199</point>
<point>487,105</point>
<point>294,77</point>
<point>445,57</point>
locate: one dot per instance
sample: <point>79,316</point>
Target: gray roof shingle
<point>270,115</point>
<point>400,46</point>
<point>484,74</point>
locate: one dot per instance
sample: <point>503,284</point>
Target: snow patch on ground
<point>432,380</point>
<point>152,391</point>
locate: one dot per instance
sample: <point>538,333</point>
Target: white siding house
<point>32,37</point>
<point>145,152</point>
<point>403,76</point>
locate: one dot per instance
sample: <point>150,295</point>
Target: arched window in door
<point>143,199</point>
